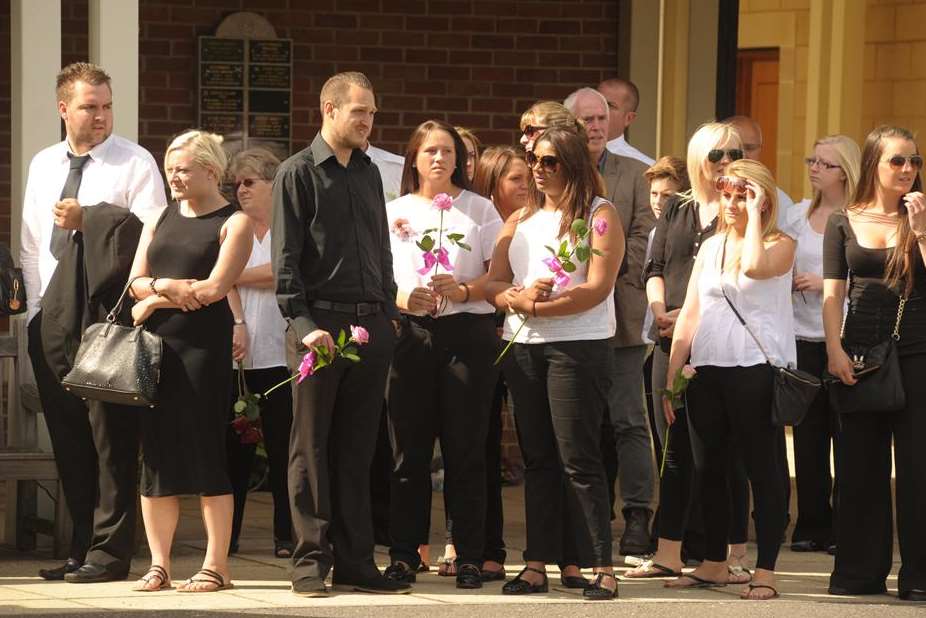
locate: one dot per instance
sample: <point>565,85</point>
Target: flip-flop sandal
<point>650,569</point>
<point>738,571</point>
<point>698,582</point>
<point>207,576</point>
<point>155,573</point>
<point>750,587</point>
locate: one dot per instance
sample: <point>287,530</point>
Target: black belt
<point>357,309</point>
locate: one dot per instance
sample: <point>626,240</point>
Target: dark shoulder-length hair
<point>583,182</point>
<point>900,265</point>
<point>410,181</point>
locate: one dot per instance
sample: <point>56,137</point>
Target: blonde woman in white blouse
<point>442,376</point>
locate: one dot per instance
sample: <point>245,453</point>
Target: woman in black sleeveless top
<point>879,244</point>
<point>187,263</point>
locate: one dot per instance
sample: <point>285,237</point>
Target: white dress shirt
<point>390,168</point>
<point>472,215</point>
<point>265,323</point>
<point>619,146</point>
<point>119,172</point>
<point>784,207</point>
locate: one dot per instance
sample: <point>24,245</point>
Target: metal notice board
<point>245,92</point>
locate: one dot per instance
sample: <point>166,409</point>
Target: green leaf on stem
<point>583,252</point>
<point>568,266</point>
<point>550,249</point>
<point>456,237</point>
<point>463,245</point>
<point>564,249</point>
<point>579,227</point>
<point>342,339</point>
<point>352,357</point>
<point>598,253</point>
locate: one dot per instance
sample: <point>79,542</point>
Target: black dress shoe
<point>831,550</point>
<point>805,546</point>
<point>576,582</point>
<point>375,583</point>
<point>58,573</point>
<point>398,571</point>
<point>636,537</point>
<point>838,590</point>
<point>94,574</point>
<point>310,587</point>
<point>469,577</point>
<point>917,596</point>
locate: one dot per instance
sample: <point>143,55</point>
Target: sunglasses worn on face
<point>247,183</point>
<point>897,161</point>
<point>716,155</point>
<point>547,162</point>
<point>731,184</point>
<point>811,163</point>
<point>530,130</point>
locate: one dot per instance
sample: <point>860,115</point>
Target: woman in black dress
<point>185,265</point>
<point>879,244</point>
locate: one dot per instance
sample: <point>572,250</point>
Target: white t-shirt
<point>765,305</point>
<point>785,205</point>
<point>808,258</point>
<point>265,323</point>
<point>471,215</point>
<point>525,254</point>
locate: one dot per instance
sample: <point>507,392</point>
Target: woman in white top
<point>834,172</point>
<point>558,366</point>
<point>258,343</point>
<point>746,265</point>
<point>442,376</point>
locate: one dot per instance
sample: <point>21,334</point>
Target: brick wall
<point>5,128</point>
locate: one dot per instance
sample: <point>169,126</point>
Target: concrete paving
<point>262,585</point>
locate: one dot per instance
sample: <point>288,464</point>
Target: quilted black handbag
<point>115,363</point>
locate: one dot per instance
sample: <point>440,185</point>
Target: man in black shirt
<point>333,268</point>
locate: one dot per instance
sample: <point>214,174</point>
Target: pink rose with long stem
<point>359,335</point>
<point>307,366</point>
<point>319,356</point>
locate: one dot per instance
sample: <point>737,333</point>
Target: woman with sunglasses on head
<point>442,377</point>
<point>742,271</point>
<point>258,345</point>
<point>833,169</point>
<point>687,221</point>
<point>879,244</point>
<point>558,365</point>
<point>543,115</point>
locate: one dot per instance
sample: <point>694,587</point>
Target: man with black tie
<point>332,264</point>
<point>89,167</point>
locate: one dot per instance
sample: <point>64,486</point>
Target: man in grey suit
<point>628,190</point>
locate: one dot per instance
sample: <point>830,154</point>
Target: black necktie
<point>60,236</point>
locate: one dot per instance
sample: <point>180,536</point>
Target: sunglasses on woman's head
<point>547,162</point>
<point>897,161</point>
<point>731,184</point>
<point>716,155</point>
<point>530,130</point>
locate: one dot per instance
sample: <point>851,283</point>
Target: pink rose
<point>359,334</point>
<point>688,372</point>
<point>553,264</point>
<point>307,366</point>
<point>442,201</point>
<point>402,229</point>
<point>601,226</point>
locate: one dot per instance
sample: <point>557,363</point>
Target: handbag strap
<point>900,307</point>
<point>723,257</point>
<point>111,316</point>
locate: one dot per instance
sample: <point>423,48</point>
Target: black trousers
<point>440,386</point>
<point>495,517</point>
<point>560,393</point>
<point>864,533</point>
<point>730,406</point>
<point>276,414</point>
<point>816,504</point>
<point>96,452</point>
<point>336,415</point>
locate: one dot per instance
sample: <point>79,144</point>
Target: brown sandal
<point>448,567</point>
<point>205,576</point>
<point>155,573</point>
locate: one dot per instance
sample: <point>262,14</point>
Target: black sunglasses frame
<point>715,155</point>
<point>548,162</point>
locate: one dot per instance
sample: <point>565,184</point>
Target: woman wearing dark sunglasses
<point>744,268</point>
<point>833,170</point>
<point>879,243</point>
<point>686,223</point>
<point>558,365</point>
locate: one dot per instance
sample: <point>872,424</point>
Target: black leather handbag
<point>877,369</point>
<point>116,364</point>
<point>793,390</point>
<point>12,284</point>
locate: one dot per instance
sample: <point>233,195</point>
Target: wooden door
<point>757,96</point>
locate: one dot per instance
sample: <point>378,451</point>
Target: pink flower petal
<point>359,334</point>
<point>442,201</point>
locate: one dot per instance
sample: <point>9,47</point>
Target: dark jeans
<point>336,415</point>
<point>276,415</point>
<point>560,393</point>
<point>727,407</point>
<point>440,386</point>
<point>812,440</point>
<point>865,532</point>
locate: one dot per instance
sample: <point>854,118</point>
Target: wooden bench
<point>23,465</point>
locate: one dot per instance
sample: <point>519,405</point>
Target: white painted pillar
<point>114,33</point>
<point>35,122</point>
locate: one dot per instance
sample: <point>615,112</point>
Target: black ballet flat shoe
<point>522,586</point>
<point>493,576</point>
<point>469,577</point>
<point>596,591</point>
<point>807,546</point>
<point>576,582</point>
<point>398,571</point>
<point>917,596</point>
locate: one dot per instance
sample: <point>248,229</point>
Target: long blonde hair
<point>708,137</point>
<point>752,170</point>
<point>849,158</point>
